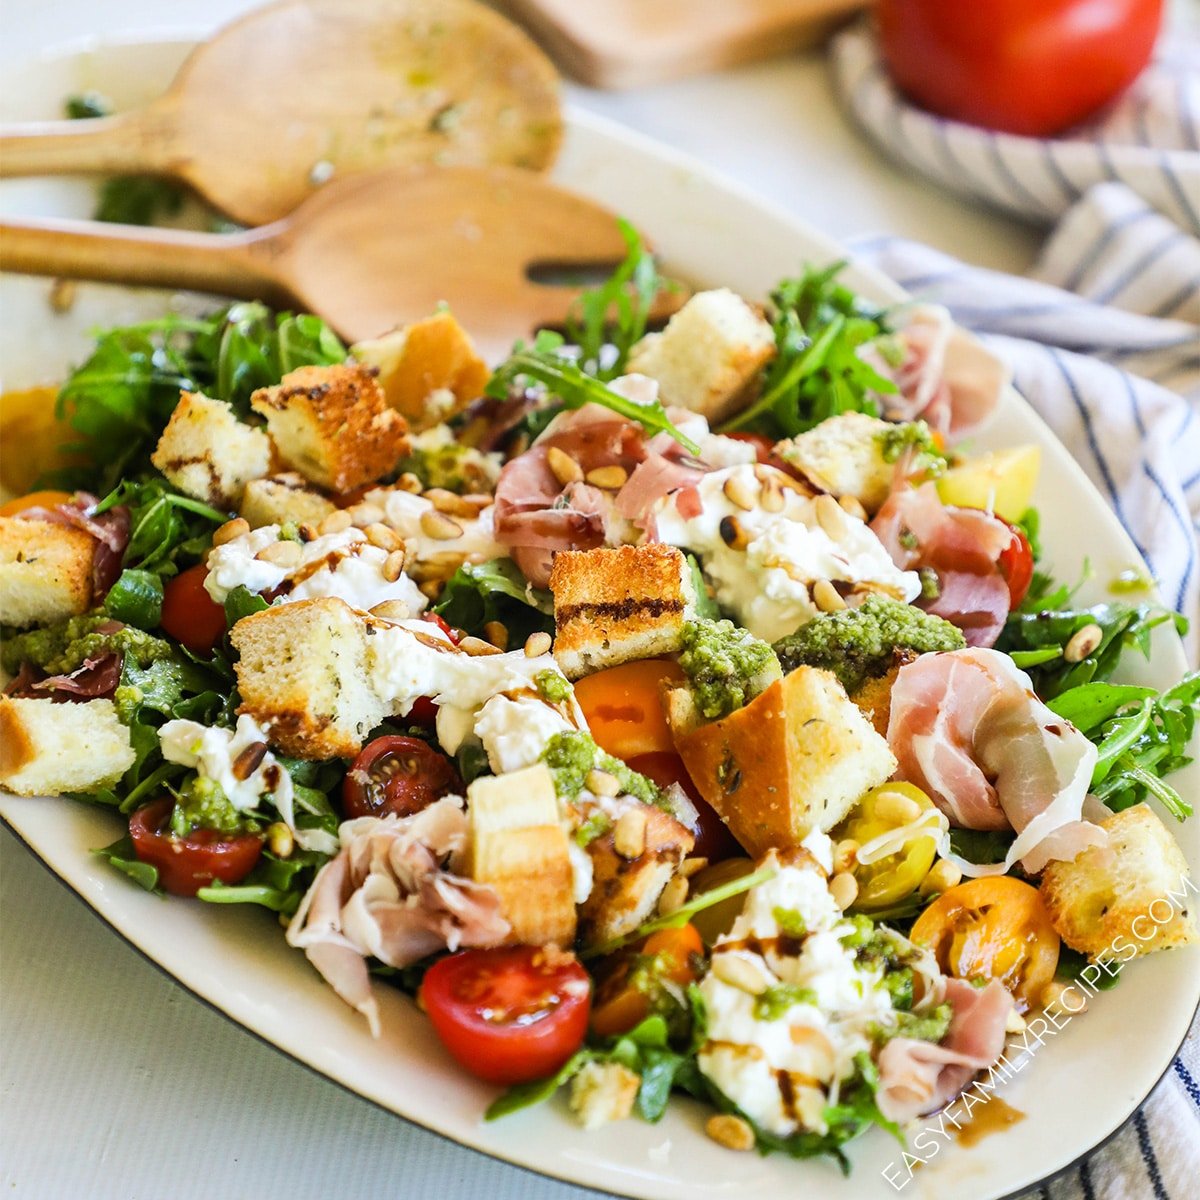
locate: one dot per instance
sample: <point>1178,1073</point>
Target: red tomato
<point>186,864</point>
<point>713,839</point>
<point>455,635</point>
<point>1016,565</point>
<point>511,1014</point>
<point>400,775</point>
<point>189,613</point>
<point>1031,67</point>
<point>424,711</point>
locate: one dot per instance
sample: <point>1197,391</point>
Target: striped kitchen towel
<point>1149,139</point>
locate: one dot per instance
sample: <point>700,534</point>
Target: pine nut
<point>629,834</point>
<point>281,554</point>
<point>384,537</point>
<point>249,760</point>
<point>1083,643</point>
<point>843,887</point>
<point>738,490</point>
<point>894,808</point>
<point>1055,990</point>
<point>439,527</point>
<point>826,597</point>
<point>230,530</point>
<point>393,566</point>
<point>674,896</point>
<point>431,589</point>
<point>729,1131</point>
<point>771,498</point>
<point>537,644</point>
<point>392,610</point>
<point>601,783</point>
<point>408,482</point>
<point>844,853</point>
<point>364,515</point>
<point>477,647</point>
<point>609,478</point>
<point>450,503</point>
<point>830,516</point>
<point>942,876</point>
<point>496,632</point>
<point>563,467</point>
<point>733,534</point>
<point>690,866</point>
<point>853,506</point>
<point>280,841</point>
<point>1015,1023</point>
<point>336,522</point>
<point>62,295</point>
<point>749,975</point>
<point>309,532</point>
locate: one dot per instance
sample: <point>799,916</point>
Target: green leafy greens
<point>478,593</point>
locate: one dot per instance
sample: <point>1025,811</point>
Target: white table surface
<point>115,1084</point>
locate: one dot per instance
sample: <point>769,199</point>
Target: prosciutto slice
<point>967,728</point>
<point>110,529</point>
<point>391,893</point>
<point>918,1077</point>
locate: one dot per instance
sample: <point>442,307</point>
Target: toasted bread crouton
<point>519,848</point>
<point>794,759</point>
<point>874,698</point>
<point>283,498</point>
<point>844,456</point>
<point>611,606</point>
<point>708,355</point>
<point>45,571</point>
<point>206,452</point>
<point>428,370</point>
<point>630,868</point>
<point>603,1092</point>
<point>47,749</point>
<point>333,425</point>
<point>1134,891</point>
<point>302,674</point>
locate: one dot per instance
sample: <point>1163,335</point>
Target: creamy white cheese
<point>403,512</point>
<point>766,582</point>
<point>213,750</point>
<point>514,730</point>
<point>342,564</point>
<point>814,1040</point>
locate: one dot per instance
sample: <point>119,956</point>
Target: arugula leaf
<point>136,598</point>
<point>242,602</point>
<point>544,363</point>
<point>120,854</point>
<point>495,591</point>
<point>707,608</point>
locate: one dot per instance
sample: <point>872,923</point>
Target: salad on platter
<point>667,712</point>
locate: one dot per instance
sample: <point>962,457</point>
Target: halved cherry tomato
<point>424,711</point>
<point>627,994</point>
<point>395,774</point>
<point>455,635</point>
<point>623,707</point>
<point>186,864</point>
<point>189,614</point>
<point>713,839</point>
<point>511,1014</point>
<point>17,506</point>
<point>993,928</point>
<point>895,876</point>
<point>1016,565</point>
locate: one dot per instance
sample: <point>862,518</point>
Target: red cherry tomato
<point>511,1014</point>
<point>455,635</point>
<point>1016,565</point>
<point>186,864</point>
<point>424,711</point>
<point>189,613</point>
<point>713,839</point>
<point>1032,67</point>
<point>400,775</point>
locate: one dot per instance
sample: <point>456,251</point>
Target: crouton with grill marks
<point>1134,891</point>
<point>45,571</point>
<point>283,498</point>
<point>709,355</point>
<point>206,452</point>
<point>333,425</point>
<point>47,749</point>
<point>611,606</point>
<point>303,675</point>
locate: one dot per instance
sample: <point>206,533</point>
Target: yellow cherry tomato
<point>14,508</point>
<point>892,877</point>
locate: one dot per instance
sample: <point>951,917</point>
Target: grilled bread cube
<point>206,452</point>
<point>631,864</point>
<point>611,606</point>
<point>844,456</point>
<point>796,758</point>
<point>47,748</point>
<point>302,674</point>
<point>45,571</point>
<point>333,425</point>
<point>709,354</point>
<point>1134,891</point>
<point>874,697</point>
<point>283,498</point>
<point>519,848</point>
<point>428,370</point>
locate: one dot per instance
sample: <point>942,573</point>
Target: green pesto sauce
<point>726,666</point>
<point>930,1027</point>
<point>775,1001</point>
<point>790,922</point>
<point>61,648</point>
<point>597,825</point>
<point>453,466</point>
<point>914,435</point>
<point>201,804</point>
<point>570,756</point>
<point>552,686</point>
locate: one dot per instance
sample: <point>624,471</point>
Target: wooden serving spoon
<point>302,91</point>
<point>368,253</point>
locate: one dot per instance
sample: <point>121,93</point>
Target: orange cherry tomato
<point>993,928</point>
<point>626,996</point>
<point>47,499</point>
<point>624,709</point>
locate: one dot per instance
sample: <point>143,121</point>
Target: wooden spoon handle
<point>236,264</point>
<point>137,141</point>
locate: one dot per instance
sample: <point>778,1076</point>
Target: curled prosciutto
<point>967,728</point>
<point>392,893</point>
<point>109,528</point>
